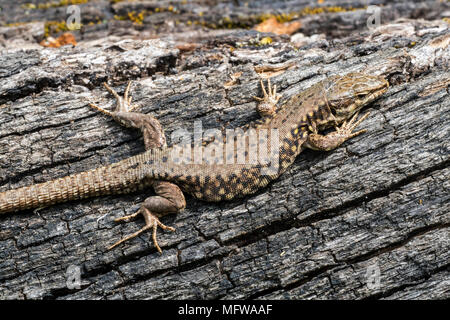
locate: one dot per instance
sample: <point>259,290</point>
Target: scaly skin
<point>298,120</point>
<point>294,125</point>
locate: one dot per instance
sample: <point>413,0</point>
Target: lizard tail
<point>120,177</point>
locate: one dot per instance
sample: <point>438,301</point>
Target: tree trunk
<point>367,220</point>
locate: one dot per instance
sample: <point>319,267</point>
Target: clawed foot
<point>347,128</point>
<point>151,221</point>
<point>267,107</point>
<point>169,198</point>
<point>334,139</point>
<point>123,104</point>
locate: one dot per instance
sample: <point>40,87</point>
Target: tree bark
<point>367,220</point>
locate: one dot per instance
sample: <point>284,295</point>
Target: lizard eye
<point>333,111</point>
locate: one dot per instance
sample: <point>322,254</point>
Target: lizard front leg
<point>334,139</point>
<point>170,198</point>
<point>267,106</point>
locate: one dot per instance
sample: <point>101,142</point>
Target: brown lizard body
<point>223,169</point>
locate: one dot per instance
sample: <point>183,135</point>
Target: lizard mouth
<point>345,108</point>
<point>354,105</point>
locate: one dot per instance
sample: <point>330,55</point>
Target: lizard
<point>294,125</point>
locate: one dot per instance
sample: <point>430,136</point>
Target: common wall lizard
<point>293,125</point>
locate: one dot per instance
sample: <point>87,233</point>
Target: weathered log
<point>324,230</point>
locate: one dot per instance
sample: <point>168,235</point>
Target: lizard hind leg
<point>172,201</point>
<point>149,126</point>
<point>122,104</point>
<point>151,221</point>
<point>169,198</point>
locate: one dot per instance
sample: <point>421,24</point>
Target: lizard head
<point>348,94</point>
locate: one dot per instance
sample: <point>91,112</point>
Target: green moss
<point>266,40</point>
<point>53,4</point>
<point>16,24</point>
<point>54,27</point>
<point>249,22</point>
<point>223,23</point>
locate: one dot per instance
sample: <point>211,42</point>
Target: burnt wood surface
<point>367,220</point>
